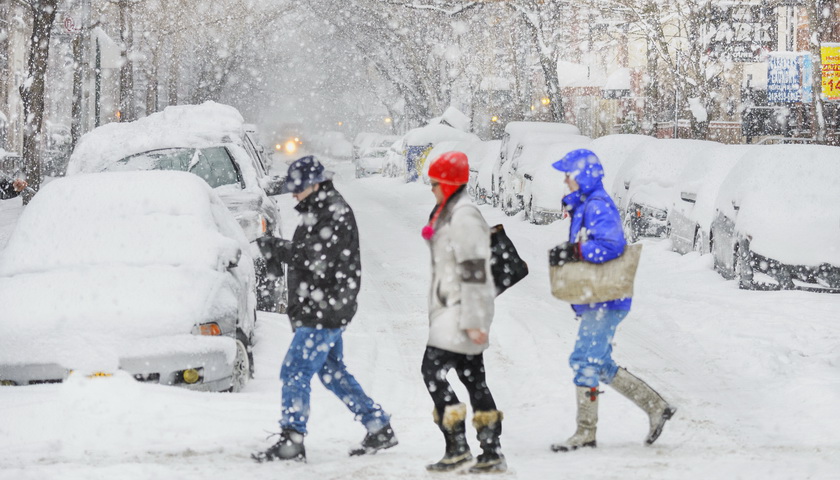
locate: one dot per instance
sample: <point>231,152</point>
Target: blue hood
<point>584,167</point>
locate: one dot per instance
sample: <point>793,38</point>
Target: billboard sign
<point>789,77</point>
<point>830,56</point>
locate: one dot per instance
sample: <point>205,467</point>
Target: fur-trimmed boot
<point>488,424</point>
<point>587,421</point>
<point>646,398</point>
<point>454,428</point>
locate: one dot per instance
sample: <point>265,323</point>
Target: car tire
<point>742,271</point>
<point>629,231</point>
<point>243,365</point>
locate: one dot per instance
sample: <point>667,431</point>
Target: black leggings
<point>470,369</point>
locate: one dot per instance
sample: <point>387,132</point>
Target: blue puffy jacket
<point>596,223</point>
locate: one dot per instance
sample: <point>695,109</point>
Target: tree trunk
<point>127,67</point>
<point>32,91</point>
<point>552,85</point>
<point>76,111</point>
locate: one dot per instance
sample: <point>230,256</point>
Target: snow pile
<point>176,126</point>
<point>453,117</point>
<point>614,150</point>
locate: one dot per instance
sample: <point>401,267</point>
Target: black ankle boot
<point>289,446</point>
<point>375,441</point>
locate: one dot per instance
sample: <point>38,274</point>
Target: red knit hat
<point>451,168</point>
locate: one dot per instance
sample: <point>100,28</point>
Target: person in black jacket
<point>324,275</point>
<point>11,188</point>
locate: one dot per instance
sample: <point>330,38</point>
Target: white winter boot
<point>587,420</point>
<point>646,398</point>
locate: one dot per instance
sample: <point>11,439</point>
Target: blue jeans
<point>321,351</point>
<point>591,359</point>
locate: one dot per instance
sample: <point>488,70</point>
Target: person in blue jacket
<point>596,236</point>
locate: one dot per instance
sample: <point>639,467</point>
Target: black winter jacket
<point>324,265</point>
<point>7,190</point>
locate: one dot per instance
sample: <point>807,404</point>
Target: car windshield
<point>213,164</point>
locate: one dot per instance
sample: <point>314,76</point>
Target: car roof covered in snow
<point>189,126</point>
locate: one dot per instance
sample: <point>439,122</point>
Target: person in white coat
<point>460,313</point>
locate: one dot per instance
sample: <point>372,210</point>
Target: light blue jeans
<point>321,351</point>
<point>591,359</point>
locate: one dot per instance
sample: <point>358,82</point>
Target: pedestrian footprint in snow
<point>324,275</point>
<point>596,236</point>
<point>460,313</point>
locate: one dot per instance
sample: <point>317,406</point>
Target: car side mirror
<point>276,186</point>
<point>688,197</point>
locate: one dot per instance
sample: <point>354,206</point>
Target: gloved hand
<point>563,254</point>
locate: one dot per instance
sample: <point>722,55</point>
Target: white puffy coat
<point>462,291</point>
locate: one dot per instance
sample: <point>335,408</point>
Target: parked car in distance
<point>644,186</point>
<point>511,182</point>
<point>208,140</point>
<point>420,141</point>
<point>370,159</point>
<point>613,150</point>
<point>481,169</point>
<point>776,222</point>
<point>394,163</point>
<point>542,186</point>
<point>693,206</point>
<point>513,136</point>
<point>144,272</point>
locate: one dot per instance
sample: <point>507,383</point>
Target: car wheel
<point>242,364</point>
<point>742,271</point>
<point>629,231</point>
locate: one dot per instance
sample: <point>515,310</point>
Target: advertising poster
<point>830,56</point>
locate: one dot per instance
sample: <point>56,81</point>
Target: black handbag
<point>506,265</point>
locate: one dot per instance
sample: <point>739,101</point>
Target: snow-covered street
<point>754,376</point>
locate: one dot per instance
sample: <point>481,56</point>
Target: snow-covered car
<point>542,186</point>
<point>144,272</point>
<point>394,163</point>
<point>210,141</point>
<point>481,169</point>
<point>515,133</point>
<point>776,222</point>
<point>643,188</point>
<point>420,141</point>
<point>510,184</point>
<point>693,208</point>
<point>370,159</point>
<point>614,150</point>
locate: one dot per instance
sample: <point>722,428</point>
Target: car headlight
<point>211,328</point>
